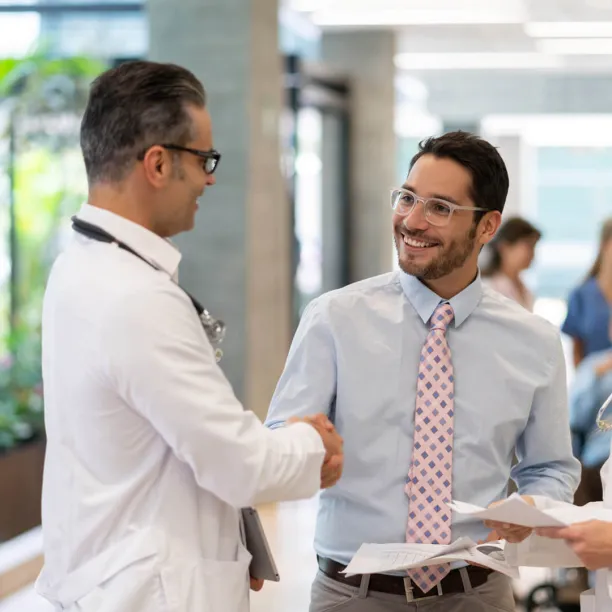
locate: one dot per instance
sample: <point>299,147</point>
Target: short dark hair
<point>132,107</point>
<point>489,174</point>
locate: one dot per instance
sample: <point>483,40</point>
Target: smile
<point>417,244</point>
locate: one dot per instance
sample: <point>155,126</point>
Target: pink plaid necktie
<point>429,483</point>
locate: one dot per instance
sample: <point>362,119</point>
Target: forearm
<point>292,466</point>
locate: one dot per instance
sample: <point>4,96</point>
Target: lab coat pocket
<point>207,584</point>
<point>122,578</point>
<point>137,587</point>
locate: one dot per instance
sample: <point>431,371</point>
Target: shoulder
<point>584,291</point>
<point>518,321</point>
<point>117,285</point>
<point>366,293</point>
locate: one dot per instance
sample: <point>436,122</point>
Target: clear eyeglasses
<point>437,212</point>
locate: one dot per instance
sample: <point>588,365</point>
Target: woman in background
<point>588,311</point>
<point>511,252</point>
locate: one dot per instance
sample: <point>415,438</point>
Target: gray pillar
<point>367,57</point>
<point>517,155</point>
<point>510,149</point>
<point>237,259</point>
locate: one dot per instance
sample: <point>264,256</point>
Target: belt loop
<point>408,589</point>
<point>465,578</point>
<point>364,586</point>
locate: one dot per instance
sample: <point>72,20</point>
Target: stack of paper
<point>385,558</point>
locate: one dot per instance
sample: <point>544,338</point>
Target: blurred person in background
<point>591,387</point>
<point>589,305</point>
<point>510,253</point>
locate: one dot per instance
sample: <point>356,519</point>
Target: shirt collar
<point>425,301</point>
<point>159,251</point>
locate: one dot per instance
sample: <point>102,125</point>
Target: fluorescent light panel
<point>575,46</point>
<point>475,61</point>
<point>569,29</point>
<point>403,17</point>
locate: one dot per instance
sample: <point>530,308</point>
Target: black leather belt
<point>383,583</point>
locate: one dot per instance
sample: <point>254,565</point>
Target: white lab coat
<point>149,456</point>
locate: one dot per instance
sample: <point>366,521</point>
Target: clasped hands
<point>334,453</point>
<point>332,464</point>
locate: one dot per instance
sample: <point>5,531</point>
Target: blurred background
<point>318,107</point>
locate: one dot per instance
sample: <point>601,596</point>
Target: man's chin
<point>414,269</point>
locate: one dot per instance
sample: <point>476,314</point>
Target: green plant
<point>21,397</point>
<point>43,99</point>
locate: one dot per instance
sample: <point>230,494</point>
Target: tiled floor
<point>290,530</point>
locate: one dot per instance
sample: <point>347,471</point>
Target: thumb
<point>323,421</point>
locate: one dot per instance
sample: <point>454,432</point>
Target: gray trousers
<point>327,595</point>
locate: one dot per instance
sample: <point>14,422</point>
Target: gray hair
<point>131,108</point>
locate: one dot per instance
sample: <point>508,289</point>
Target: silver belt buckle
<point>408,589</point>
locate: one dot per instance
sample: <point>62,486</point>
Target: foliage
<point>43,98</point>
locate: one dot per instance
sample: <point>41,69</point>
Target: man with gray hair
<point>150,456</point>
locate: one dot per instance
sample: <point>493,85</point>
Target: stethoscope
<point>603,425</point>
<point>214,328</point>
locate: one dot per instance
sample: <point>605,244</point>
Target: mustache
<point>418,235</point>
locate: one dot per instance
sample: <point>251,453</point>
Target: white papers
<point>516,511</point>
<point>489,554</point>
<point>379,558</point>
<point>384,558</point>
<point>512,510</point>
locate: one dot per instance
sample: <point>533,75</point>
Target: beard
<point>448,260</point>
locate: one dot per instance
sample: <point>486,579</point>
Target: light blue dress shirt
<point>355,356</point>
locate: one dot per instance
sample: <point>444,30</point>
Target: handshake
<point>334,454</point>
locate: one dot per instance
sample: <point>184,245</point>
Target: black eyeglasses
<point>211,158</point>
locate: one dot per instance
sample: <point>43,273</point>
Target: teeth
<point>415,243</point>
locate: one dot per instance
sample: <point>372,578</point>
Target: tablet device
<point>262,565</point>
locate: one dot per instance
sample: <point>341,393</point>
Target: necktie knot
<point>442,317</point>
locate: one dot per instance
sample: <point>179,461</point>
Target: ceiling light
<point>475,61</point>
<point>403,17</point>
<point>569,29</point>
<point>575,46</point>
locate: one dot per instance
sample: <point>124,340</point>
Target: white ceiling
<point>522,35</point>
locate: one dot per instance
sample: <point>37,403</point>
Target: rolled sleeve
<point>546,464</point>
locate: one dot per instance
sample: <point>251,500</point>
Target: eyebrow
<point>439,196</point>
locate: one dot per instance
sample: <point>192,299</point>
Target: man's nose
<point>417,219</point>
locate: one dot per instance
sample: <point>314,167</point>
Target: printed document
<point>385,558</point>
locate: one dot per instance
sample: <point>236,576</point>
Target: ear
<point>488,226</point>
<point>157,166</point>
